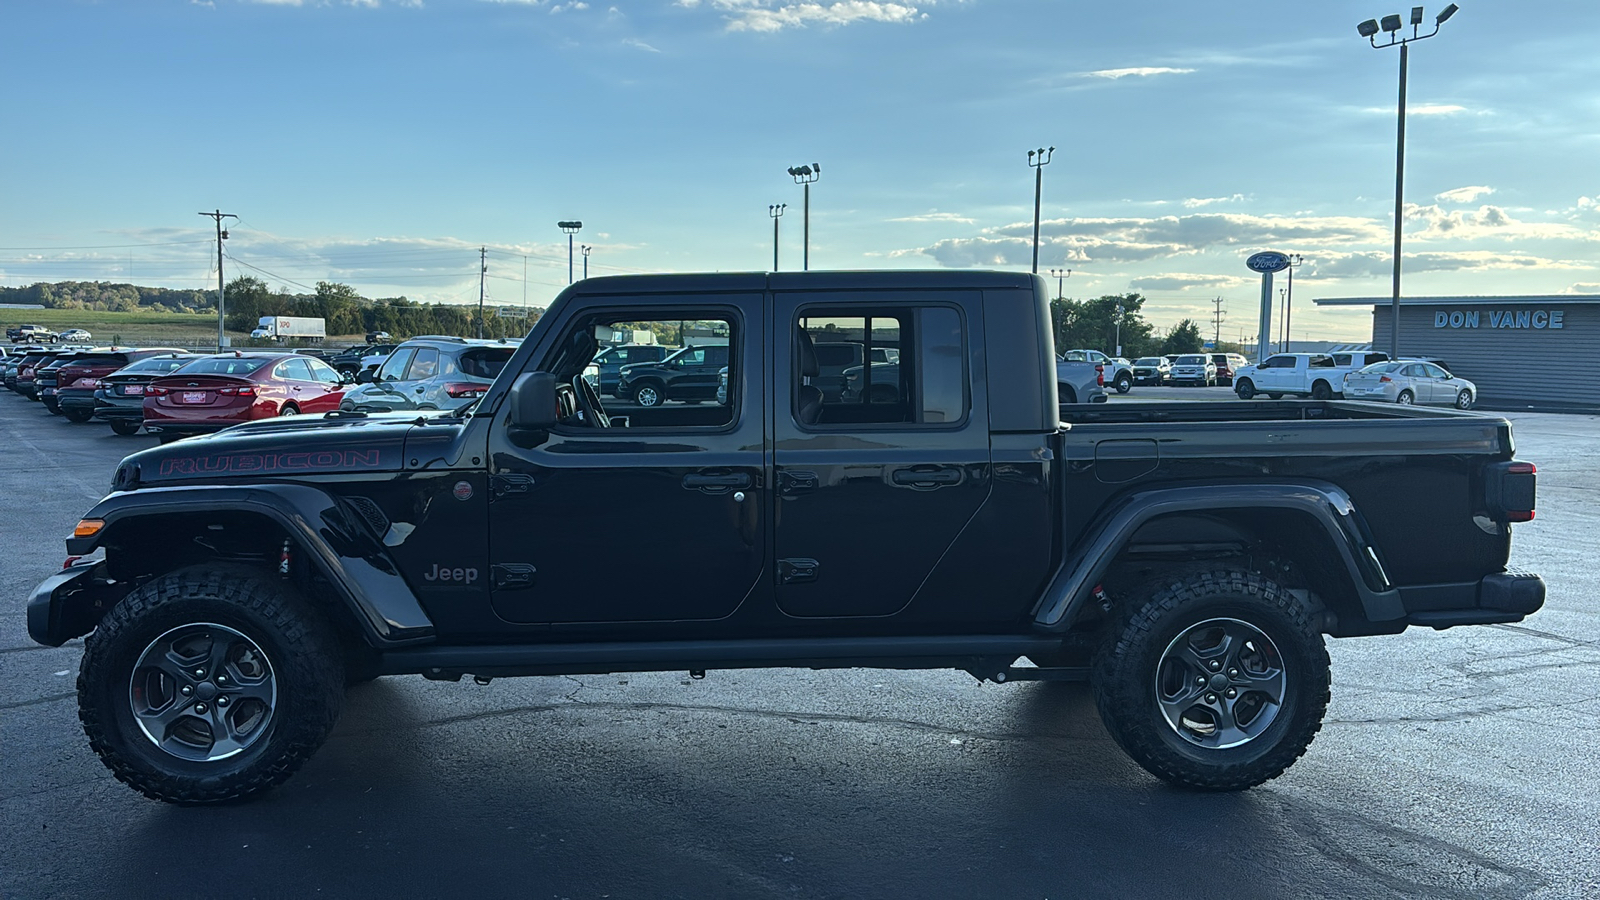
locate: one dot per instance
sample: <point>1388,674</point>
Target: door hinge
<point>794,571</point>
<point>513,576</point>
<point>510,484</point>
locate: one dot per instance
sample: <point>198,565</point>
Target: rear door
<point>873,486</point>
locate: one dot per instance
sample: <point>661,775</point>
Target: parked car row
<point>1368,375</point>
<point>19,334</point>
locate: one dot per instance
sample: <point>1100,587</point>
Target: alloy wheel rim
<point>203,692</point>
<point>1220,683</point>
<point>648,396</point>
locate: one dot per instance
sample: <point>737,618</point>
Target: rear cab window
<point>893,366</point>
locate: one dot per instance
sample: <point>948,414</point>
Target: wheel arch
<point>1307,532</point>
<point>335,557</point>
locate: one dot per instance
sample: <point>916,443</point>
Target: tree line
<point>107,297</point>
<point>1091,324</point>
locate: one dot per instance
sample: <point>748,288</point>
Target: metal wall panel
<point>1509,365</point>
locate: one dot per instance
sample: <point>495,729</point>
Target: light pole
<point>1283,330</point>
<point>1060,275</point>
<point>1391,26</point>
<point>1295,261</point>
<point>569,228</point>
<point>222,235</point>
<point>806,175</point>
<point>584,249</point>
<point>1118,354</point>
<point>1037,160</point>
<point>775,210</point>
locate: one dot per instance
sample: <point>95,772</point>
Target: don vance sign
<point>1519,318</point>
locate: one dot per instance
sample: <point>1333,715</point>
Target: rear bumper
<point>78,401</point>
<point>1501,597</point>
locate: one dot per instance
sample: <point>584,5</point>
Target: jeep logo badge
<point>440,573</point>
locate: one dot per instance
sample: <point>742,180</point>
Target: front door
<point>874,483</point>
<point>661,518</point>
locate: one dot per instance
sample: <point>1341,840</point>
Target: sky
<point>382,143</point>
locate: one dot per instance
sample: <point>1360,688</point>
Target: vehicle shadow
<point>550,797</point>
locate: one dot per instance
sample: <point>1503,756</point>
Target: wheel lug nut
<point>1199,679</point>
<point>222,679</point>
<point>223,701</point>
<point>1211,698</point>
<point>199,707</point>
<point>199,673</point>
<point>186,690</point>
<point>1233,673</point>
<point>1231,694</point>
<point>1215,665</point>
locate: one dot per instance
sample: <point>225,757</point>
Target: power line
<point>112,246</point>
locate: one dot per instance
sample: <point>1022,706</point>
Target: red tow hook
<point>71,561</point>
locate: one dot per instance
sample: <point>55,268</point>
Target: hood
<point>283,448</point>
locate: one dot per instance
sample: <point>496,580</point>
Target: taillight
<point>153,390</point>
<point>1385,379</point>
<point>242,391</point>
<point>466,390</point>
<point>1510,490</point>
<point>1099,374</point>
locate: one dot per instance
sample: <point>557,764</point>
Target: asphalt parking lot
<point>1453,764</point>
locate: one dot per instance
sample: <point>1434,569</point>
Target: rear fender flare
<point>360,570</point>
<point>1326,503</point>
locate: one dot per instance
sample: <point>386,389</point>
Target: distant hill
<point>108,297</point>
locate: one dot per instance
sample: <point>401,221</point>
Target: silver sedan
<point>1409,381</point>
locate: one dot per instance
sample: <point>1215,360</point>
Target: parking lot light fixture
<point>569,227</point>
<point>1391,25</point>
<point>805,175</point>
<point>585,251</point>
<point>1037,160</point>
<point>775,210</point>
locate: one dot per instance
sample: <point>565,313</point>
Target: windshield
<point>1149,361</point>
<point>224,365</point>
<point>1191,361</point>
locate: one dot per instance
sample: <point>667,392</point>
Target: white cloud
<point>1183,281</point>
<point>1197,202</point>
<point>638,44</point>
<point>1135,71</point>
<point>776,15</point>
<point>1464,194</point>
<point>1584,287</point>
<point>1422,109</point>
<point>935,216</point>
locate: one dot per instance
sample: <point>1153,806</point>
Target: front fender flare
<point>347,555</point>
<point>1326,503</point>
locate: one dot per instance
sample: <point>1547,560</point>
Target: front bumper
<point>69,603</point>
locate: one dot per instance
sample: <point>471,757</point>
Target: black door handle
<point>716,483</point>
<point>926,477</point>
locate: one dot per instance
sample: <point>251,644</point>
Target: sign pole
<point>1266,262</point>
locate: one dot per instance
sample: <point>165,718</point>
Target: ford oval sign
<point>1268,261</point>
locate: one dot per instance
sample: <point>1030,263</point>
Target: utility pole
<point>483,270</point>
<point>524,286</point>
<point>218,215</point>
<point>1043,159</point>
<point>1216,321</point>
<point>775,210</point>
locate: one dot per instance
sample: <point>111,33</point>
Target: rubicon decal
<point>273,462</point>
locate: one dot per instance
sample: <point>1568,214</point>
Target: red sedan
<point>215,392</point>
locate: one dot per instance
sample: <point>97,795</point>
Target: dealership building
<point>1529,350</point>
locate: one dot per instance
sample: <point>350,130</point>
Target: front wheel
<point>1124,383</point>
<point>1245,389</point>
<point>208,685</point>
<point>1218,681</point>
<point>1464,399</point>
<point>125,428</point>
<point>648,396</point>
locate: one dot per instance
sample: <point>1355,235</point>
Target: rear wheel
<point>125,428</point>
<point>1245,389</point>
<point>1066,394</point>
<point>1322,391</point>
<point>1274,396</point>
<point>78,415</point>
<point>288,409</point>
<point>208,685</point>
<point>1406,398</point>
<point>648,395</point>
<point>1216,681</point>
<point>1464,399</point>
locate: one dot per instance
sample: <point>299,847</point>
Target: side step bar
<point>982,655</point>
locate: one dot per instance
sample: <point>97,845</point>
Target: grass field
<point>136,329</point>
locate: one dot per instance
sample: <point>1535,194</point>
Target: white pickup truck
<point>1319,376</point>
<point>1118,371</point>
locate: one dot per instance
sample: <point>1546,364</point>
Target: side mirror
<point>364,377</point>
<point>533,401</point>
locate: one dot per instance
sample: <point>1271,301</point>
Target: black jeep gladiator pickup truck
<point>1186,558</point>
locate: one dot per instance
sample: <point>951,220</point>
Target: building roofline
<point>1564,299</point>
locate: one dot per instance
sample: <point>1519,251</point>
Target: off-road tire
<point>1245,389</point>
<point>125,428</point>
<point>301,647</point>
<point>1125,678</point>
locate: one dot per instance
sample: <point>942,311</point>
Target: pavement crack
<point>49,698</point>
